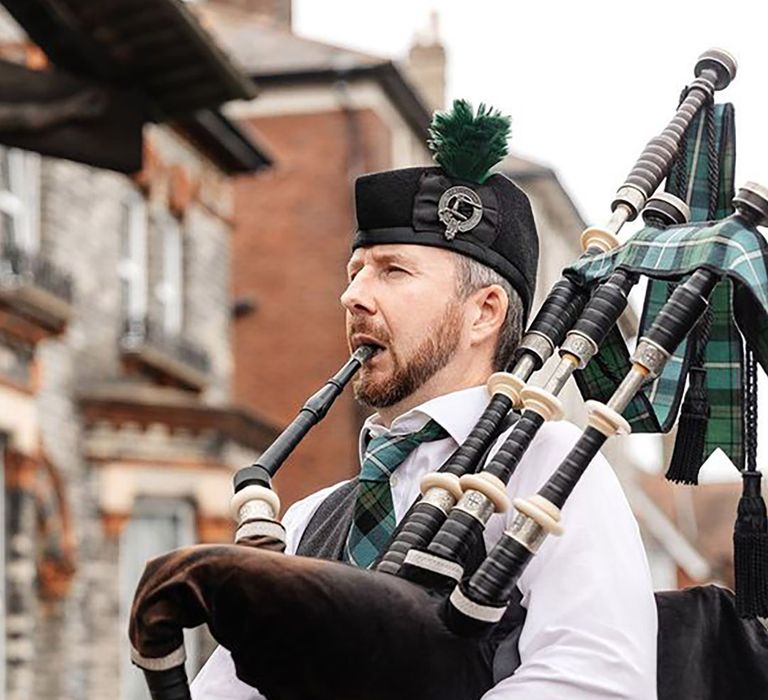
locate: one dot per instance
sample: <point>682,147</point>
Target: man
<point>440,279</point>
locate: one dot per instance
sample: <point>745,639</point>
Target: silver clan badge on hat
<point>460,209</point>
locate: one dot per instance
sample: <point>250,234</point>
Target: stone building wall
<point>80,217</point>
<point>72,647</point>
<point>208,318</point>
<point>200,196</point>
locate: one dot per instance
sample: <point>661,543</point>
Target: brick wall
<point>291,244</point>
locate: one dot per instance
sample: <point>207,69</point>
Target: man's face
<point>403,299</point>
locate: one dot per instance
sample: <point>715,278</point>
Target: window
<point>19,593</point>
<point>170,291</point>
<point>132,268</point>
<point>4,550</point>
<point>156,527</point>
<point>20,199</point>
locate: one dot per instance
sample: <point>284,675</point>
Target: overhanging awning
<point>155,46</point>
<point>116,65</point>
<point>59,115</point>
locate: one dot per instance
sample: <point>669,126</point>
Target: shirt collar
<point>457,412</point>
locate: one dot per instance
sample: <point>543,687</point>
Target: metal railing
<point>141,333</point>
<point>19,267</point>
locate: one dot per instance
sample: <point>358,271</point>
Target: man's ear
<point>489,311</point>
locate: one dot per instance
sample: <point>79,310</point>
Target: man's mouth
<point>363,339</point>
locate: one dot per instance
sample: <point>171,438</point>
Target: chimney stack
<point>426,64</point>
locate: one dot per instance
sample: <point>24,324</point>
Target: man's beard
<point>410,373</point>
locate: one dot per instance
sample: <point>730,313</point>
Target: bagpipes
<point>422,623</point>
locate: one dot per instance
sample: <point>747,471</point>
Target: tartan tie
<point>374,516</point>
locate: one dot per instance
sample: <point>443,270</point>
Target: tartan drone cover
<point>740,299</point>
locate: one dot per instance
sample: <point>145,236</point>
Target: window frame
<point>133,263</point>
<point>170,287</point>
<point>20,198</point>
<point>3,580</point>
<point>183,511</point>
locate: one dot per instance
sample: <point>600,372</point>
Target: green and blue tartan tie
<point>373,521</point>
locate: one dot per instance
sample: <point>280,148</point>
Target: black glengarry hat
<point>459,205</point>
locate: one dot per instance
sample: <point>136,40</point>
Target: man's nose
<point>358,296</point>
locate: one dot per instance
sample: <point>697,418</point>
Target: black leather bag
<point>706,652</point>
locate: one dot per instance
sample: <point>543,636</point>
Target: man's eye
<point>394,270</point>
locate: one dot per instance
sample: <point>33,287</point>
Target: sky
<point>587,83</point>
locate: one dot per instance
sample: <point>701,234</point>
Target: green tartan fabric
<point>726,415</point>
<point>656,408</point>
<point>724,365</point>
<point>373,521</point>
<point>741,253</point>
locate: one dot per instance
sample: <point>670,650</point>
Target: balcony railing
<point>174,358</point>
<point>34,288</point>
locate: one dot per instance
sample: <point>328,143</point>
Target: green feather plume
<point>467,145</point>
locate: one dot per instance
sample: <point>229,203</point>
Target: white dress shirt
<point>590,626</point>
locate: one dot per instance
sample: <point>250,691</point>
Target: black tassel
<point>750,550</point>
<point>750,535</point>
<point>688,455</point>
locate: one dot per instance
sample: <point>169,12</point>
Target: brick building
<point>119,431</point>
<point>326,115</point>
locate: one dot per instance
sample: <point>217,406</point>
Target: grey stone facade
<point>73,646</point>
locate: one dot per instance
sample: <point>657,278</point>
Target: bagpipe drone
<point>423,622</point>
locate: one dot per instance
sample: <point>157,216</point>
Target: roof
<point>263,48</point>
<point>223,141</point>
<point>272,55</point>
<point>525,171</point>
<point>157,46</point>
